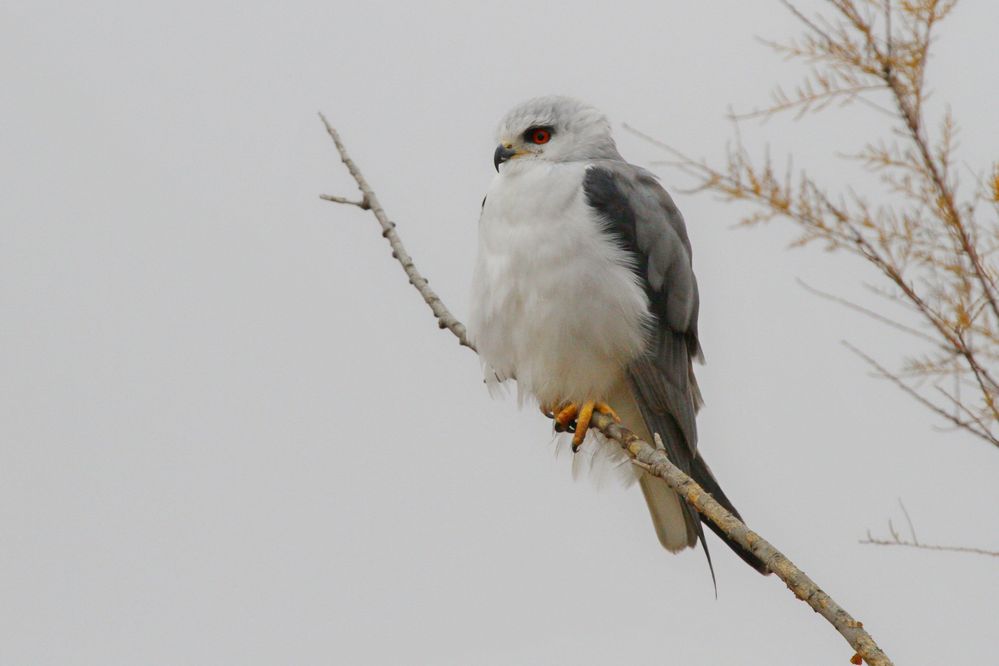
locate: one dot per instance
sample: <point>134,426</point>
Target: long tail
<point>677,524</point>
<point>675,527</point>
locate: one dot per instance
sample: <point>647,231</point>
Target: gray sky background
<point>230,432</point>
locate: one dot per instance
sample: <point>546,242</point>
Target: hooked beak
<point>502,154</point>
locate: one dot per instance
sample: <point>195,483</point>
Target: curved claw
<point>566,420</point>
<point>551,410</point>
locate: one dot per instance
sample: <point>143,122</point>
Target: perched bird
<point>584,294</point>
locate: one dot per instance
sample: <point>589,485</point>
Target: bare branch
<point>370,202</point>
<point>908,519</point>
<point>883,372</point>
<point>869,313</point>
<point>911,110</point>
<point>914,542</point>
<point>872,541</point>
<point>972,417</point>
<point>362,204</point>
<point>655,460</point>
<point>806,100</point>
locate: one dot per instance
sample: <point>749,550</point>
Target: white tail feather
<point>665,506</point>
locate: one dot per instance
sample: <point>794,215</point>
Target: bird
<point>584,295</point>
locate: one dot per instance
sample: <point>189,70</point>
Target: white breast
<point>555,304</point>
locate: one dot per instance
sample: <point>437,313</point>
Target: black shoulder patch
<point>604,195</point>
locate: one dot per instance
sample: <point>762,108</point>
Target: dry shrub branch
<point>933,241</point>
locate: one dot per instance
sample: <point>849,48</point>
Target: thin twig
<point>801,585</point>
<point>914,542</point>
<point>870,313</point>
<point>362,204</point>
<point>817,100</point>
<point>908,519</point>
<point>883,372</point>
<point>911,114</point>
<point>960,407</point>
<point>872,541</point>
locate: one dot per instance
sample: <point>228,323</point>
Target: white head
<point>555,129</point>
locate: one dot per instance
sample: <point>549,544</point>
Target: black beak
<point>501,155</point>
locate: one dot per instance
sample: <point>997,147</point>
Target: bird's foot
<point>575,418</point>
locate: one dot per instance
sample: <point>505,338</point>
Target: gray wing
<point>646,223</point>
<point>643,219</point>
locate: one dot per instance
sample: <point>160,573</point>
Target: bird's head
<point>554,129</point>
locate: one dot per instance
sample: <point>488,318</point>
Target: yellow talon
<point>576,419</point>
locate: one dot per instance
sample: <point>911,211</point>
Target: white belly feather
<point>555,304</point>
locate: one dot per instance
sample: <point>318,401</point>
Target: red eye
<point>540,136</point>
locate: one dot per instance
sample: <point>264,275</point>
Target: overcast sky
<point>230,432</point>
